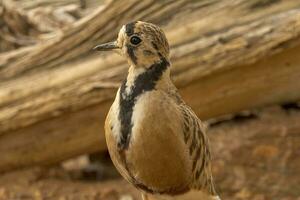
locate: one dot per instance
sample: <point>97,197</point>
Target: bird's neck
<point>155,76</point>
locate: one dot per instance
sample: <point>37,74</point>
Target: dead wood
<point>20,28</point>
<point>14,27</point>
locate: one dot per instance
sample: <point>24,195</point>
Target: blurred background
<point>235,62</point>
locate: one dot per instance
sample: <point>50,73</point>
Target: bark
<point>20,28</point>
<point>226,58</point>
<point>14,27</point>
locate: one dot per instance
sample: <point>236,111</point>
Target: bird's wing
<point>198,147</point>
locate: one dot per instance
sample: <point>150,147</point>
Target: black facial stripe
<point>154,45</point>
<point>156,48</point>
<point>130,51</point>
<point>143,83</point>
<point>129,28</point>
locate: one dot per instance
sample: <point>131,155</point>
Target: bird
<point>155,140</point>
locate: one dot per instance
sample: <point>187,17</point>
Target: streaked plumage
<point>155,140</point>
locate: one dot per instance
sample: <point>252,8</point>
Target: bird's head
<point>141,43</point>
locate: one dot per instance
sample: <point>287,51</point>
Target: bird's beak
<point>106,46</point>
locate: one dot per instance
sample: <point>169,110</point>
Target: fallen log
<point>15,28</point>
<point>20,28</point>
<point>54,96</point>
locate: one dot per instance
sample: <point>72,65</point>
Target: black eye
<point>135,40</point>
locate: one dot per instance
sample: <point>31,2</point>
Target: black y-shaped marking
<point>143,83</point>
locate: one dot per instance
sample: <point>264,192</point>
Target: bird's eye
<point>135,40</point>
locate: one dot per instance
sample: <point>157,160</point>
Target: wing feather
<point>198,147</point>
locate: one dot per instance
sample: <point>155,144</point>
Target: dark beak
<point>106,47</point>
